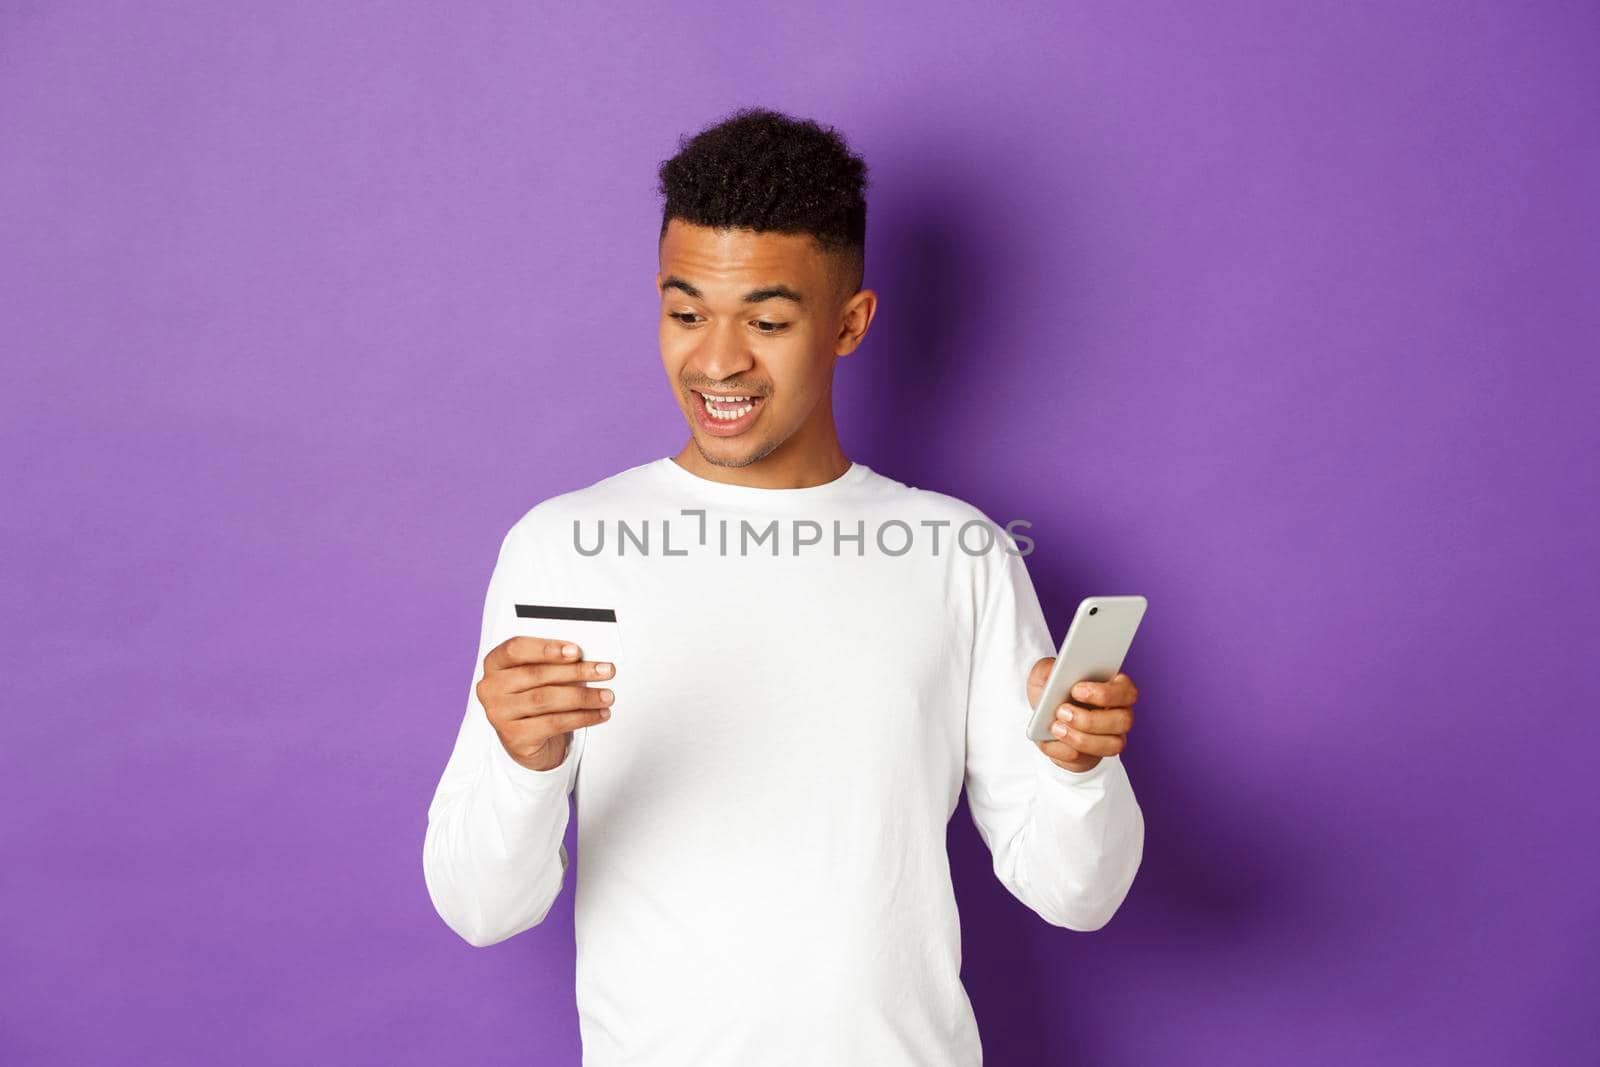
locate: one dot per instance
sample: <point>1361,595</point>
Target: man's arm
<point>1065,843</point>
<point>493,857</point>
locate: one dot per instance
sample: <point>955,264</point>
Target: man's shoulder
<point>556,513</point>
<point>986,543</point>
<point>933,504</point>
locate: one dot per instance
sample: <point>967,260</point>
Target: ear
<point>854,319</point>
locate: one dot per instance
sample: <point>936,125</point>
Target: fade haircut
<point>762,170</point>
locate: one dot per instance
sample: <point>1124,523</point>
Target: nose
<point>723,355</point>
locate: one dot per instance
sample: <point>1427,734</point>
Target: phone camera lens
<point>1094,611</point>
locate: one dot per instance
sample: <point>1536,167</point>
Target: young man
<point>817,659</point>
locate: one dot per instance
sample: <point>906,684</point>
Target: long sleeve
<point>1066,844</point>
<point>493,857</point>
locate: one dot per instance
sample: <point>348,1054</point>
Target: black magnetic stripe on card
<point>547,611</point>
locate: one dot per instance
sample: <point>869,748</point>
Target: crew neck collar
<point>751,494</point>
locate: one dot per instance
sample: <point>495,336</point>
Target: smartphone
<point>1093,650</point>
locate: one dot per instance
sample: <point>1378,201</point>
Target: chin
<point>724,453</point>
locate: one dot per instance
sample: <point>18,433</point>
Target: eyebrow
<point>754,296</point>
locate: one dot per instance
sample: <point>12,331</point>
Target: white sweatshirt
<point>761,822</point>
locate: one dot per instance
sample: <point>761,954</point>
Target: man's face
<point>754,316</point>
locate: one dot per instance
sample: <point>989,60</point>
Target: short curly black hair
<point>762,170</point>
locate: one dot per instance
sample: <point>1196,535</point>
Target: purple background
<point>1284,315</point>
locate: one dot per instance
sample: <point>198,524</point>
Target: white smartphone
<point>1093,650</point>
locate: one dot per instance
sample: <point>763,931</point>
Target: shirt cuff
<point>528,778</point>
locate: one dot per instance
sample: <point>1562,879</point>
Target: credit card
<point>592,629</point>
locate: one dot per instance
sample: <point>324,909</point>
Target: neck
<point>809,458</point>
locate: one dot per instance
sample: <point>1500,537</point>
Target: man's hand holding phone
<point>534,693</point>
<point>1091,724</point>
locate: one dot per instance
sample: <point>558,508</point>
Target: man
<point>818,658</point>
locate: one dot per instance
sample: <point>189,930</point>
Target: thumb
<point>1038,676</point>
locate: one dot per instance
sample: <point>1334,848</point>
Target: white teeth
<point>722,413</point>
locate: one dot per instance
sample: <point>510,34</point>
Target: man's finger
<point>1040,674</point>
<point>555,698</point>
<point>1096,720</point>
<point>1089,744</point>
<point>533,675</point>
<point>1119,692</point>
<point>537,731</point>
<point>1058,750</point>
<point>515,651</point>
<point>533,733</point>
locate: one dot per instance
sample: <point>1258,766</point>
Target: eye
<point>761,325</point>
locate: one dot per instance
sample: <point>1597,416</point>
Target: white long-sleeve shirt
<point>761,823</point>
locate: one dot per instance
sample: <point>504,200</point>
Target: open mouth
<point>726,414</point>
<point>729,408</point>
